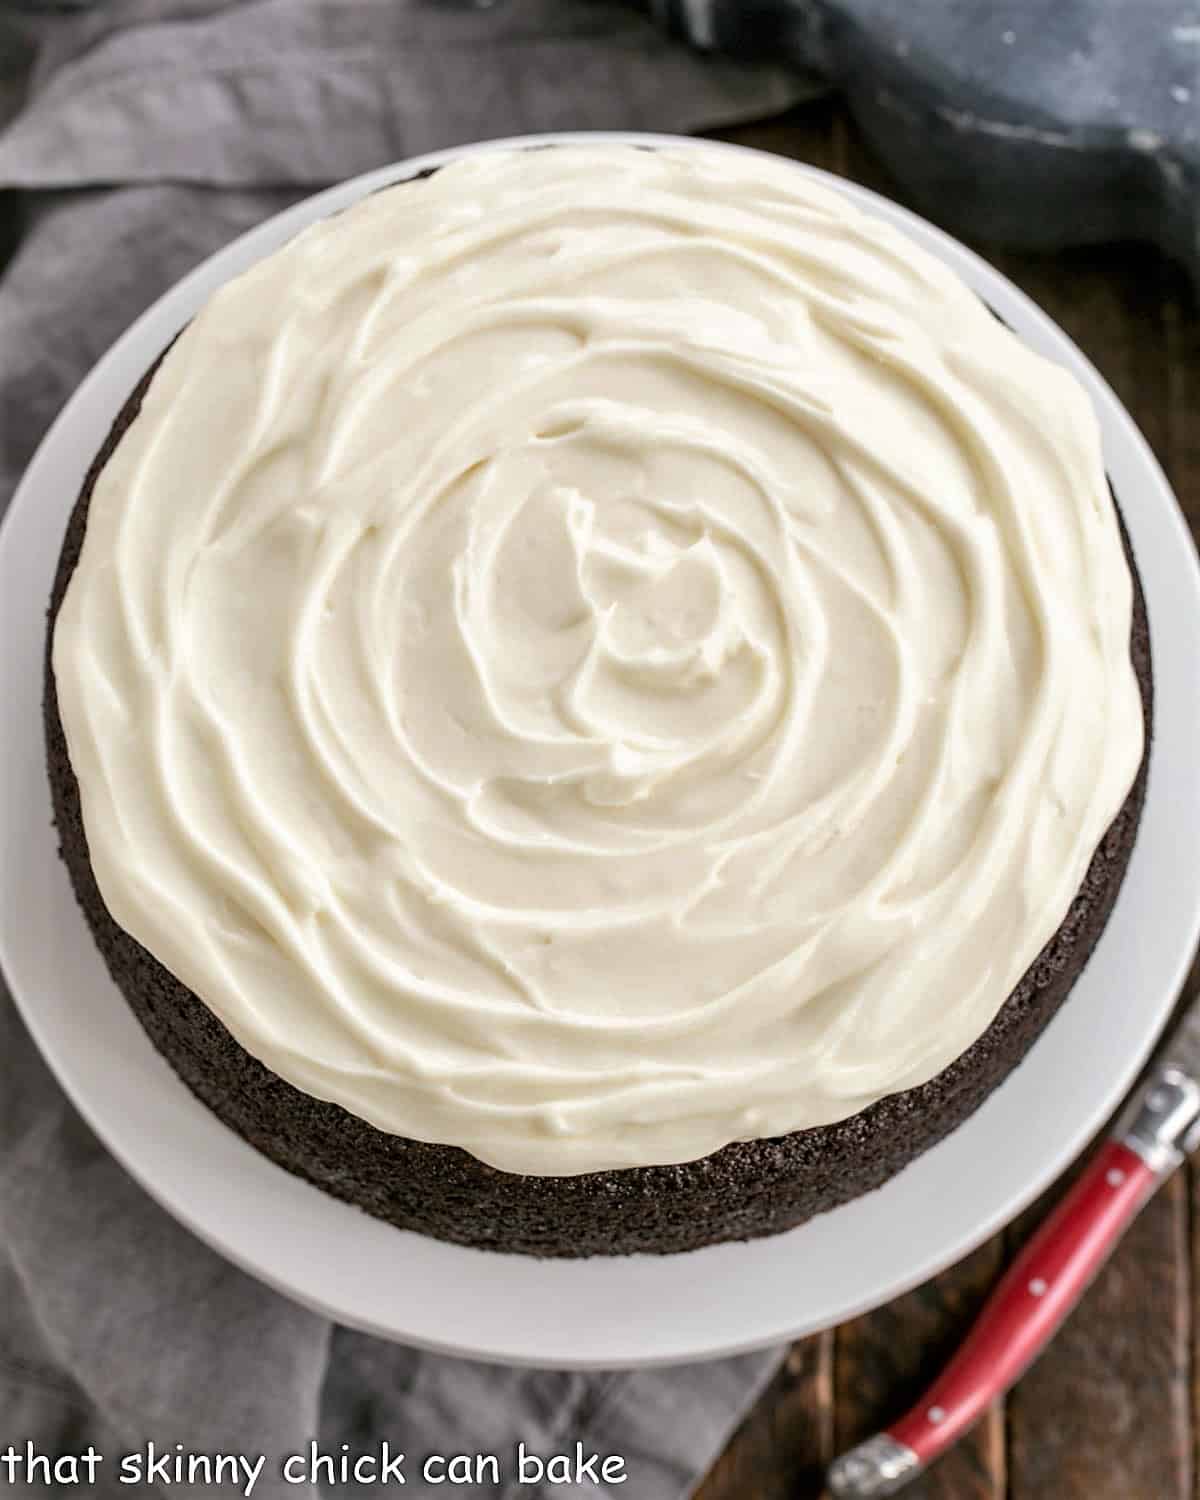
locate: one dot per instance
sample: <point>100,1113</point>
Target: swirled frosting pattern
<point>598,654</point>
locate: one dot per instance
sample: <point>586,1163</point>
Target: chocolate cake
<point>761,1184</point>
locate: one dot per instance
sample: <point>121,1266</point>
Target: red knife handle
<point>1161,1126</point>
<point>1037,1292</point>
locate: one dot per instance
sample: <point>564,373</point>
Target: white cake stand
<point>600,1312</point>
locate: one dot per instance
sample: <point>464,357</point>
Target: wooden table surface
<point>1112,1410</point>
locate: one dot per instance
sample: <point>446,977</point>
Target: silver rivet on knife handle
<point>880,1466</point>
<point>1163,1120</point>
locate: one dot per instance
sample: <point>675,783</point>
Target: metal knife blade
<point>1162,1119</point>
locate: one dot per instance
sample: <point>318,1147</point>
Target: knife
<point>1158,1128</point>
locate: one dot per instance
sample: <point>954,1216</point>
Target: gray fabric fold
<point>136,137</point>
<point>294,91</point>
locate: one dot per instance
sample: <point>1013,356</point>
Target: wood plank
<point>1182,463</point>
<point>805,133</point>
<point>1105,1414</point>
<point>1181,325</point>
<point>885,1360</point>
<point>782,1449</point>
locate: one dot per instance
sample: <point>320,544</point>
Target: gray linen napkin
<point>137,136</point>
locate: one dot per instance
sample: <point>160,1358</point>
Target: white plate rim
<point>628,1311</point>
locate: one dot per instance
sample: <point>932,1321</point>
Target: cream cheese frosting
<point>600,653</point>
